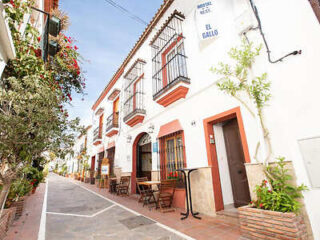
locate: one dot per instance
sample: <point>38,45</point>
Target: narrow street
<point>74,212</point>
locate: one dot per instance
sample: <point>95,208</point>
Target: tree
<point>252,91</point>
<point>32,97</point>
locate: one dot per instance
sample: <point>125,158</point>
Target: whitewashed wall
<point>293,112</point>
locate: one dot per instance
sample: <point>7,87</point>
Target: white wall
<point>293,111</point>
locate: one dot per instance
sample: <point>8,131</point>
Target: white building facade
<point>162,110</point>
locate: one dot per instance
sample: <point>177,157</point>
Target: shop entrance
<point>227,152</point>
<point>144,157</point>
<point>141,159</point>
<point>235,158</point>
<point>110,156</point>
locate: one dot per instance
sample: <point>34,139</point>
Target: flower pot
<point>3,224</point>
<point>33,190</point>
<point>264,224</point>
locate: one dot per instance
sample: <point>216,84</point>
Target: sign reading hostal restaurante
<point>206,15</point>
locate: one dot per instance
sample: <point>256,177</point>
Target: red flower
<point>12,3</point>
<point>41,76</point>
<point>269,191</point>
<point>39,38</point>
<point>261,205</point>
<point>75,47</point>
<point>176,174</point>
<point>265,181</point>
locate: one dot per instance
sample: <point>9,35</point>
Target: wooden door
<point>93,163</point>
<point>110,156</point>
<point>235,155</point>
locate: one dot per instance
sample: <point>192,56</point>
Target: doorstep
<point>219,227</point>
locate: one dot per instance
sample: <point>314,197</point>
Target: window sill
<point>176,90</point>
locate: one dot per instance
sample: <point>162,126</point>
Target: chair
<point>166,194</point>
<point>146,192</point>
<point>123,187</point>
<point>138,180</point>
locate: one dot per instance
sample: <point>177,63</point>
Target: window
<point>168,56</point>
<point>134,94</point>
<point>172,157</point>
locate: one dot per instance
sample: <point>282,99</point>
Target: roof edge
<point>163,8</point>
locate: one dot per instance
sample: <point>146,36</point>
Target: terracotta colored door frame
<point>134,162</point>
<point>93,163</point>
<point>212,153</point>
<point>100,125</point>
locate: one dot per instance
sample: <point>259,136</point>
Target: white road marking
<point>42,228</point>
<point>138,214</point>
<point>80,215</point>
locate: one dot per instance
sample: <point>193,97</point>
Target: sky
<point>104,35</point>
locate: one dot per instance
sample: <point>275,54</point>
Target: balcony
<point>169,66</point>
<point>112,125</point>
<point>134,110</point>
<point>97,136</point>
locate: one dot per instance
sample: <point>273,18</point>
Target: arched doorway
<point>141,159</point>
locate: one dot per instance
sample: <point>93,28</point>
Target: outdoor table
<point>112,185</point>
<point>187,171</point>
<point>150,184</point>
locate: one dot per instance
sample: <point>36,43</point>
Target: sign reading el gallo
<point>207,20</point>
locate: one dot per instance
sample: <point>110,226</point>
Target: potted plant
<point>275,211</point>
<point>15,199</point>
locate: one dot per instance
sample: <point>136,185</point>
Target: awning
<point>170,128</point>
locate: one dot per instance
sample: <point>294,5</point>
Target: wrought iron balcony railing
<point>112,121</point>
<point>96,134</point>
<point>174,71</point>
<point>134,105</point>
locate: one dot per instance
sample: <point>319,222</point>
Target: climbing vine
<point>238,81</point>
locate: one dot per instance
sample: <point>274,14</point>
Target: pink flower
<point>75,47</point>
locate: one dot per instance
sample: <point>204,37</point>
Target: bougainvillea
<point>33,94</point>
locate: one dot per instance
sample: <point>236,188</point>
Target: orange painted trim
<point>135,120</point>
<point>97,143</point>
<point>164,60</point>
<point>169,128</point>
<point>108,88</point>
<point>112,133</point>
<point>134,162</point>
<point>100,125</point>
<point>115,102</point>
<point>173,96</point>
<point>212,153</point>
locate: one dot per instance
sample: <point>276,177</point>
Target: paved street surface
<point>74,212</point>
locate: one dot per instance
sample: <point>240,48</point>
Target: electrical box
<point>310,150</point>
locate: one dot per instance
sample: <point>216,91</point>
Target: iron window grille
<point>112,121</point>
<point>134,90</point>
<point>171,155</point>
<point>168,56</point>
<point>96,134</point>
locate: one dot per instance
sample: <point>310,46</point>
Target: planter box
<point>263,224</point>
<point>11,215</point>
<point>19,205</point>
<point>3,224</point>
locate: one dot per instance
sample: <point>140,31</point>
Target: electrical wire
<point>126,11</point>
<point>256,13</point>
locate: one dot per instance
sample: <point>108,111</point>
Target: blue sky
<point>104,35</point>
